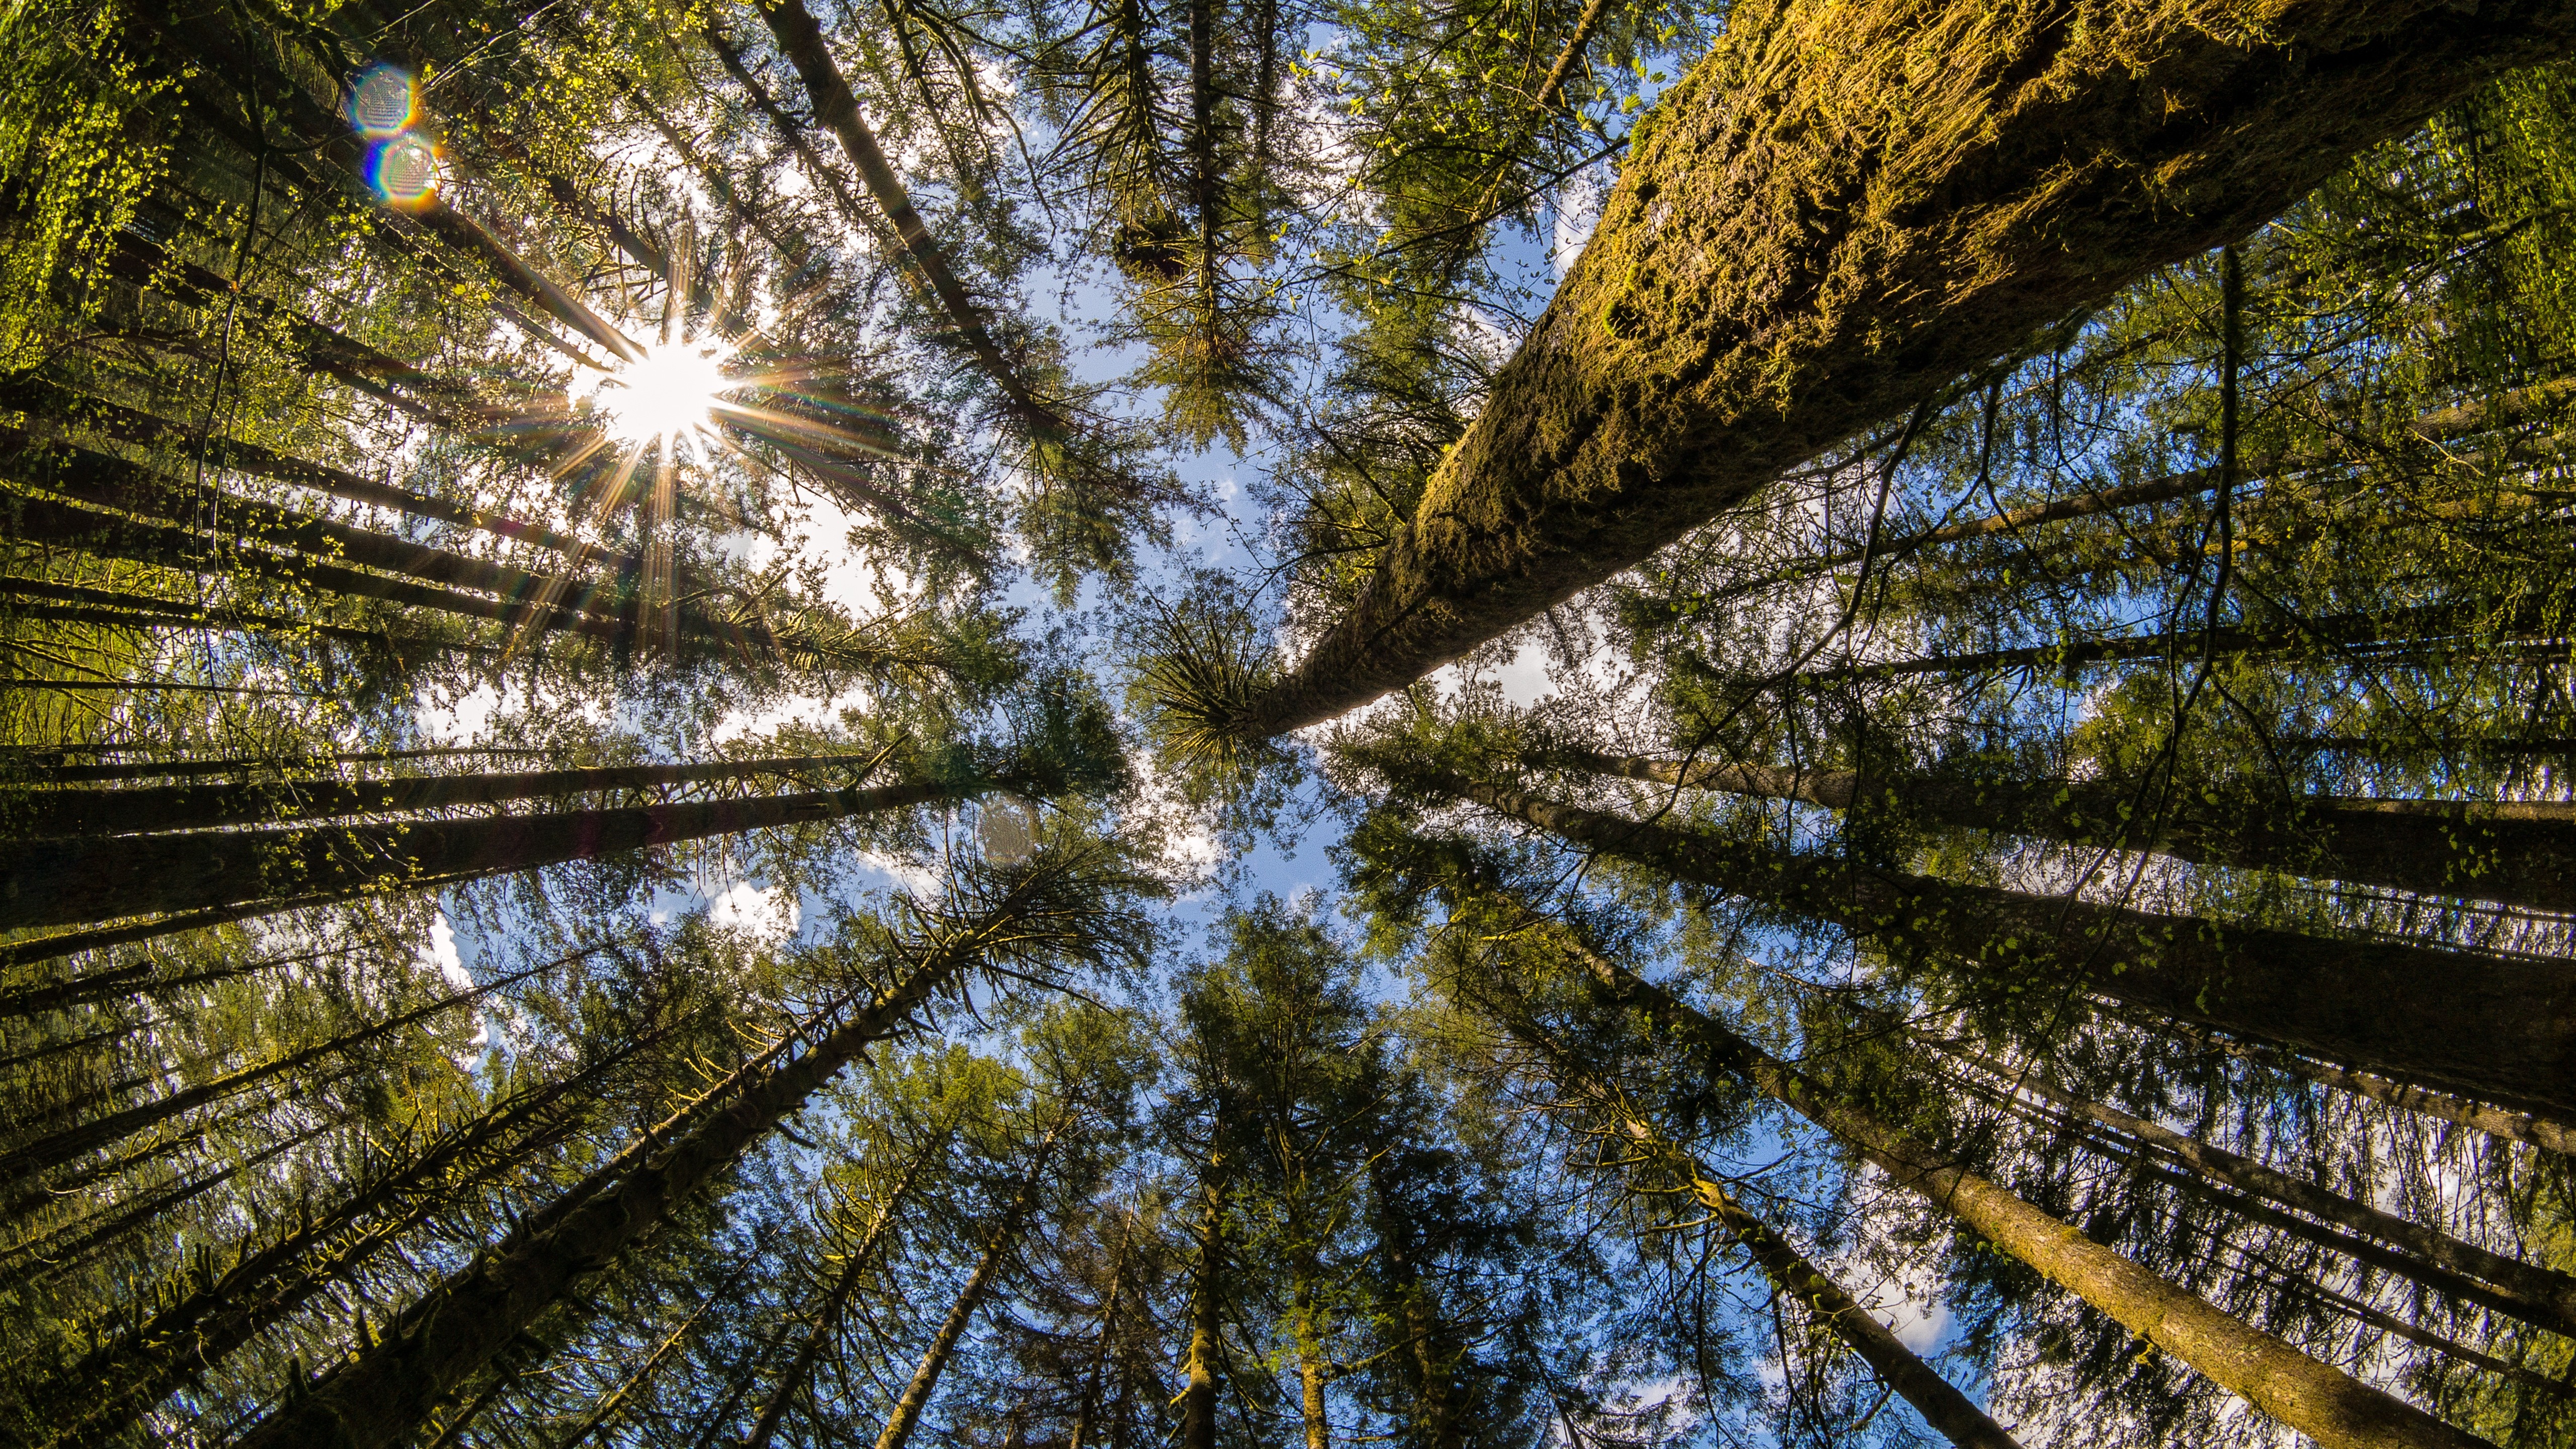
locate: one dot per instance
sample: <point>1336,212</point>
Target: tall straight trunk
<point>2520,853</point>
<point>60,1147</point>
<point>1198,1393</point>
<point>2547,1133</point>
<point>1947,1410</point>
<point>997,1251</point>
<point>2438,631</point>
<point>2308,1396</point>
<point>801,40</point>
<point>1311,1361</point>
<point>382,1394</point>
<point>54,773</point>
<point>2530,1292</point>
<point>101,879</point>
<point>1090,1405</point>
<point>1837,212</point>
<point>827,1321</point>
<point>36,396</point>
<point>127,1377</point>
<point>160,808</point>
<point>2497,1027</point>
<point>1430,1346</point>
<point>142,613</point>
<point>110,482</point>
<point>1203,176</point>
<point>60,944</point>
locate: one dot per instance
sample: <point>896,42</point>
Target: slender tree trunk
<point>1431,1347</point>
<point>36,396</point>
<point>1839,211</point>
<point>2304,1394</point>
<point>2496,1026</point>
<point>2520,853</point>
<point>71,1142</point>
<point>2546,1133</point>
<point>160,808</point>
<point>827,1322</point>
<point>76,604</point>
<point>381,1395</point>
<point>1946,1409</point>
<point>1198,1396</point>
<point>127,1378</point>
<point>801,40</point>
<point>2530,1292</point>
<point>63,774</point>
<point>997,1251</point>
<point>98,880</point>
<point>608,1407</point>
<point>1090,1405</point>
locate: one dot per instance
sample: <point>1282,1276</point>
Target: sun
<point>667,391</point>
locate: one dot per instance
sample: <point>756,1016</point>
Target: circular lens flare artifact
<point>404,170</point>
<point>383,102</point>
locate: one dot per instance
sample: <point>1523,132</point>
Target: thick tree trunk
<point>1840,210</point>
<point>381,1395</point>
<point>2308,1396</point>
<point>827,1321</point>
<point>997,1251</point>
<point>101,879</point>
<point>2497,1027</point>
<point>2521,853</point>
<point>801,40</point>
<point>2528,1291</point>
<point>161,808</point>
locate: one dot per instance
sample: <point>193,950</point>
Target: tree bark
<point>101,879</point>
<point>828,1321</point>
<point>158,809</point>
<point>378,1397</point>
<point>2308,1396</point>
<point>801,40</point>
<point>1839,211</point>
<point>1198,1394</point>
<point>57,1148</point>
<point>50,771</point>
<point>2497,1027</point>
<point>997,1251</point>
<point>2520,853</point>
<point>2546,1133</point>
<point>1432,1350</point>
<point>1947,1410</point>
<point>2530,1292</point>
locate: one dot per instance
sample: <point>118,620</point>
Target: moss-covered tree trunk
<point>1198,1391</point>
<point>1839,211</point>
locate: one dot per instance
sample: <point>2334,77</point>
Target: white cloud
<point>442,956</point>
<point>767,914</point>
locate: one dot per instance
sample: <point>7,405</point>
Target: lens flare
<point>669,391</point>
<point>404,170</point>
<point>383,102</point>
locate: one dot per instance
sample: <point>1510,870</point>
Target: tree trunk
<point>801,40</point>
<point>161,808</point>
<point>2546,1133</point>
<point>2528,1291</point>
<point>1432,1350</point>
<point>2499,1027</point>
<point>99,880</point>
<point>2304,1394</point>
<point>1198,1396</point>
<point>2520,853</point>
<point>62,774</point>
<point>828,1321</point>
<point>378,1397</point>
<point>1832,216</point>
<point>127,1378</point>
<point>1006,1236</point>
<point>1946,1409</point>
<point>61,1147</point>
<point>106,608</point>
<point>1090,1404</point>
<point>1311,1363</point>
<point>38,397</point>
